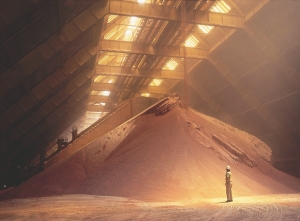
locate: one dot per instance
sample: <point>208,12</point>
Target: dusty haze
<point>170,153</point>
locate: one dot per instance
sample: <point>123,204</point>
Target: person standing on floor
<point>228,184</point>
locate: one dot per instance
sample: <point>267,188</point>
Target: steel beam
<point>96,86</point>
<point>98,108</point>
<point>102,99</point>
<point>144,73</point>
<point>146,49</point>
<point>127,8</point>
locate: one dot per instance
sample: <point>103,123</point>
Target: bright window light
<point>114,59</point>
<point>98,104</point>
<point>105,93</point>
<point>205,28</point>
<point>98,78</point>
<point>155,82</point>
<point>111,32</point>
<point>133,20</point>
<point>170,65</point>
<point>145,95</point>
<point>144,1</point>
<point>111,18</point>
<point>220,7</point>
<point>191,41</point>
<point>128,35</point>
<point>94,92</point>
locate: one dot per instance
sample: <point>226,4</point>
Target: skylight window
<point>111,33</point>
<point>128,36</point>
<point>110,81</point>
<point>205,28</point>
<point>143,1</point>
<point>105,59</point>
<point>155,82</point>
<point>114,59</point>
<point>145,95</point>
<point>134,20</point>
<point>220,7</point>
<point>111,18</point>
<point>191,41</point>
<point>104,93</point>
<point>98,78</point>
<point>100,104</point>
<point>170,65</point>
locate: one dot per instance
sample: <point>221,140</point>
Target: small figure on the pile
<point>228,184</point>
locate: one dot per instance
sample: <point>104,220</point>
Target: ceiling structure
<point>70,62</point>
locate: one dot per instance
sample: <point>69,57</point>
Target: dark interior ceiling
<point>58,56</point>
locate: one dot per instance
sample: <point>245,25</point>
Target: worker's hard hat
<point>228,167</point>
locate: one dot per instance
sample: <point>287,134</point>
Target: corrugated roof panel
<point>4,123</point>
<point>29,37</point>
<point>14,113</point>
<point>71,102</point>
<point>85,20</point>
<point>70,32</point>
<point>60,112</point>
<point>42,127</point>
<point>42,89</point>
<point>18,7</point>
<point>60,75</point>
<point>27,102</point>
<point>12,77</point>
<point>5,143</point>
<point>79,108</point>
<point>48,107</point>
<point>89,73</point>
<point>64,108</point>
<point>79,95</point>
<point>25,141</point>
<point>80,79</point>
<point>55,42</point>
<point>46,51</point>
<point>36,117</point>
<point>98,10</point>
<point>71,87</point>
<point>70,66</point>
<point>82,56</point>
<point>32,61</point>
<point>3,88</point>
<point>52,81</point>
<point>52,119</point>
<point>25,126</point>
<point>56,100</point>
<point>15,135</point>
<point>93,48</point>
<point>33,135</point>
<point>62,94</point>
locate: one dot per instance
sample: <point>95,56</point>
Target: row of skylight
<point>127,29</point>
<point>220,6</point>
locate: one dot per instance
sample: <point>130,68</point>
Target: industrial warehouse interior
<point>132,109</point>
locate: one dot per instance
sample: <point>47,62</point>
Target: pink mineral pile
<point>169,153</point>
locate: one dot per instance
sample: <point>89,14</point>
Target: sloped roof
<point>59,59</point>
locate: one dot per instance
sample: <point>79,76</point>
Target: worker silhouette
<point>228,184</point>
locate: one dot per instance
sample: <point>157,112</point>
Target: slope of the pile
<point>176,154</point>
